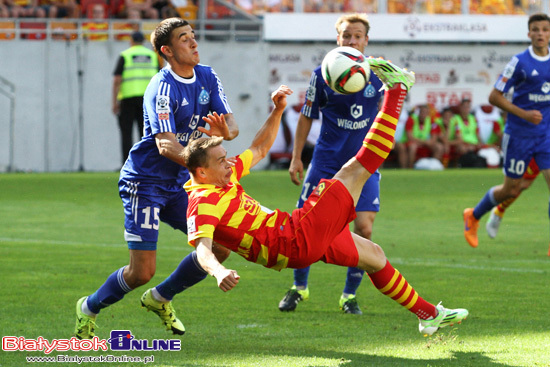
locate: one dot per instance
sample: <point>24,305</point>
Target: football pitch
<point>62,235</point>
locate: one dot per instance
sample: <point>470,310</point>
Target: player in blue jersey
<point>345,119</point>
<point>527,129</point>
<point>151,180</point>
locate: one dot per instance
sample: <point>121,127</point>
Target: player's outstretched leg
<point>390,282</point>
<point>379,140</point>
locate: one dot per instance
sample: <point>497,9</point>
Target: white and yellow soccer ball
<point>345,70</point>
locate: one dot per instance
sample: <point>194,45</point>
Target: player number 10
<point>516,167</point>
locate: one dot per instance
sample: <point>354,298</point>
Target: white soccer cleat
<point>493,224</point>
<point>445,317</point>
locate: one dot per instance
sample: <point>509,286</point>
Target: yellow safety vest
<point>140,65</point>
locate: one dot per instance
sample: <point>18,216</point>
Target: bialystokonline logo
<point>120,340</point>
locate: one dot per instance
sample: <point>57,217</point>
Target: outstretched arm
<point>227,278</point>
<point>266,135</point>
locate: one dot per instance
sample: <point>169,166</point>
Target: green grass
<point>62,235</point>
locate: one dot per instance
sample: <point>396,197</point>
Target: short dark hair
<point>162,34</point>
<point>537,18</point>
<point>195,154</point>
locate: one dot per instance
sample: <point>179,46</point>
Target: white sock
<point>84,308</point>
<point>158,297</point>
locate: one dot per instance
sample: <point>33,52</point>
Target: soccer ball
<point>345,70</point>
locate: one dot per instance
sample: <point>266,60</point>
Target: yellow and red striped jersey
<point>235,220</point>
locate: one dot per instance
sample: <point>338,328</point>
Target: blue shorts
<point>145,206</point>
<point>519,150</point>
<point>369,201</point>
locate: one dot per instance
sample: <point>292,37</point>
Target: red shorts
<point>321,227</point>
<point>532,170</point>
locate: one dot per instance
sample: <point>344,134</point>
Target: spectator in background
<point>421,136</point>
<point>97,28</point>
<point>63,9</point>
<point>446,116</point>
<point>145,7</point>
<point>464,134</point>
<point>26,9</point>
<point>4,9</point>
<point>135,68</point>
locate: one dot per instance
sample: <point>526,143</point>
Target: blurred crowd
<point>456,136</point>
<point>160,9</point>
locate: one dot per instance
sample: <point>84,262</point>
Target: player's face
<point>182,51</point>
<point>539,33</point>
<point>219,169</point>
<point>353,35</point>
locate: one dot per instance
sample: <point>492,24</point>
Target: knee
<point>135,278</point>
<point>363,229</point>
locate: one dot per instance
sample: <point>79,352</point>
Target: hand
<point>227,278</point>
<point>218,126</point>
<point>533,116</point>
<point>296,171</point>
<point>279,96</point>
<point>116,108</point>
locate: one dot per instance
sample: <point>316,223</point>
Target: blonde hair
<point>353,18</point>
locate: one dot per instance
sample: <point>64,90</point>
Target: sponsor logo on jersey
<point>184,102</point>
<point>310,94</point>
<point>204,97</point>
<point>163,104</point>
<point>545,87</point>
<point>534,72</point>
<point>356,111</point>
<point>353,125</point>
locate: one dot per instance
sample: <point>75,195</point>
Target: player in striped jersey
<point>152,178</point>
<point>221,211</point>
<point>527,129</point>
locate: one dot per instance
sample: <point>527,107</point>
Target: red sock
<point>379,140</point>
<point>390,282</point>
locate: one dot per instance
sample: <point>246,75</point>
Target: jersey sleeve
<point>510,76</point>
<point>203,215</point>
<point>218,99</point>
<point>242,166</point>
<point>159,104</point>
<point>314,95</point>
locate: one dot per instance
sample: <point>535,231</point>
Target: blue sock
<point>113,290</point>
<point>300,277</point>
<point>486,204</point>
<point>353,280</point>
<point>188,273</point>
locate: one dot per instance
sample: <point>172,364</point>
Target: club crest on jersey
<point>369,91</point>
<point>204,97</point>
<point>319,189</point>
